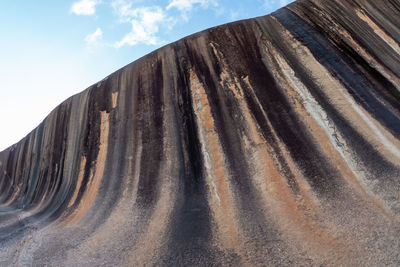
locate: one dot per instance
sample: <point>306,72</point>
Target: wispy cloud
<point>185,6</point>
<point>93,38</point>
<point>145,23</point>
<point>284,2</point>
<point>234,14</point>
<point>123,9</point>
<point>84,7</point>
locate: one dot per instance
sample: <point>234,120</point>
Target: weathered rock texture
<point>270,141</point>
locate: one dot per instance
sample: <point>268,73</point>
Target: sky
<point>51,50</point>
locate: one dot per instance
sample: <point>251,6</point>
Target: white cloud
<point>84,7</point>
<point>145,26</point>
<point>234,15</point>
<point>283,2</point>
<point>187,5</point>
<point>145,22</point>
<point>91,39</point>
<point>123,9</point>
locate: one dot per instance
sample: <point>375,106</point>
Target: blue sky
<point>51,50</point>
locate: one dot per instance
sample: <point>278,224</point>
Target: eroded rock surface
<point>269,141</point>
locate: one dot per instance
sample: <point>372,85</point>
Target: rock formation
<point>264,142</point>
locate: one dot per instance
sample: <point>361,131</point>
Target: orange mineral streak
<point>299,224</point>
<point>380,32</point>
<point>79,182</point>
<point>157,229</point>
<point>372,61</point>
<point>388,146</point>
<point>333,89</point>
<point>267,175</point>
<point>96,175</point>
<point>346,36</point>
<point>331,152</point>
<point>15,194</point>
<point>221,195</point>
<point>114,99</point>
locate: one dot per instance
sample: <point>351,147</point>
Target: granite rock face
<point>264,142</point>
